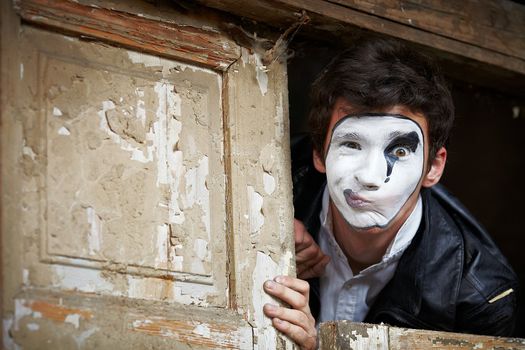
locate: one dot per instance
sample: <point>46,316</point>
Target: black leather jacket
<point>446,279</point>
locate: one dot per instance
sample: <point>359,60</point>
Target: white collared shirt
<point>348,297</point>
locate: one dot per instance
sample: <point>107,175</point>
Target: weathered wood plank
<point>202,46</point>
<point>119,323</point>
<point>333,21</point>
<point>350,335</point>
<point>494,25</point>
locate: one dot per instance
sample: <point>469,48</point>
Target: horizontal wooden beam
<point>341,335</point>
<point>455,37</point>
<point>197,45</point>
<point>494,25</point>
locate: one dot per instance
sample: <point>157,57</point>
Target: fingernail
<point>278,279</point>
<point>269,284</point>
<point>271,307</point>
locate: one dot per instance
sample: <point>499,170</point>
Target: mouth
<point>354,200</point>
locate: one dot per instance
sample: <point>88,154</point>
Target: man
<point>399,249</point>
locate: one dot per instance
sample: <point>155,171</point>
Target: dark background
<point>486,162</point>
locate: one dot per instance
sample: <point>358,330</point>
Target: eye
<point>400,151</point>
<point>351,144</point>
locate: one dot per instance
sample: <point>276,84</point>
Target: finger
<point>299,318</point>
<point>311,252</point>
<point>313,271</point>
<point>297,298</point>
<point>306,340</point>
<point>302,237</point>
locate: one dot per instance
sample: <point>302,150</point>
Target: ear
<point>437,167</point>
<point>319,162</point>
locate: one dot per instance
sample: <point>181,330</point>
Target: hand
<point>297,322</point>
<point>310,260</point>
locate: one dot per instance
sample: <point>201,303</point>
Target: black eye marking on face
<point>409,141</point>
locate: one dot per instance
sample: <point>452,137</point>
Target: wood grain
<point>198,45</point>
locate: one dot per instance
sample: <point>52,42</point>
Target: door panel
<point>144,199</point>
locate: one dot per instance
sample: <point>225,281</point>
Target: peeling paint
<point>21,311</point>
<point>81,279</point>
<point>155,61</point>
<point>202,330</point>
<point>136,153</point>
<point>375,337</point>
<point>57,112</point>
<point>197,191</point>
<point>279,118</point>
<point>269,183</point>
<point>28,151</point>
<point>256,218</point>
<point>74,319</point>
<point>8,342</point>
<point>64,131</point>
<point>265,269</point>
<point>161,257</point>
<point>33,327</point>
<point>25,277</point>
<point>94,234</point>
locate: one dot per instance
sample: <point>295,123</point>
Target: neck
<point>362,248</point>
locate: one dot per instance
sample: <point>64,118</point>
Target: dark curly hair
<point>378,74</point>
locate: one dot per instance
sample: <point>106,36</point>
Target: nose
<point>371,175</point>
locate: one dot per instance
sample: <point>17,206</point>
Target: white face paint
<point>373,165</point>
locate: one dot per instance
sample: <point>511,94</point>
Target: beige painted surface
<point>144,201</point>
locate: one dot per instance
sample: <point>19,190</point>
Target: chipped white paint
<point>175,257</point>
<point>8,342</point>
<point>140,112</point>
<point>256,218</point>
<point>155,61</point>
<point>161,257</point>
<point>286,262</point>
<point>74,319</point>
<point>197,191</point>
<point>260,73</point>
<point>265,269</point>
<point>170,168</point>
<point>201,249</point>
<point>25,277</point>
<point>182,292</point>
<point>376,338</point>
<point>202,330</point>
<point>269,183</point>
<point>28,151</point>
<point>64,131</point>
<point>177,105</point>
<point>21,311</point>
<point>57,112</point>
<point>21,71</point>
<point>94,234</point>
<point>136,153</point>
<point>33,327</point>
<point>279,118</point>
<point>81,279</point>
<point>81,338</point>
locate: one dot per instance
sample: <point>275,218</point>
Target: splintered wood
<point>342,335</point>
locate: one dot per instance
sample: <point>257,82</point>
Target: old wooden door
<point>145,196</point>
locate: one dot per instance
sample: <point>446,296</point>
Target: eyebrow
<point>346,136</point>
<point>411,135</point>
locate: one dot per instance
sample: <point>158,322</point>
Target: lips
<point>354,200</point>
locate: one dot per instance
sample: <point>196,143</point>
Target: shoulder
<point>486,300</point>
